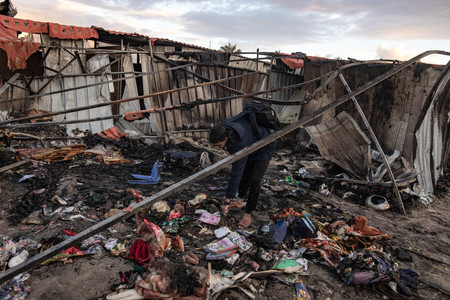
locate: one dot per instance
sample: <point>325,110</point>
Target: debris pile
<point>183,246</point>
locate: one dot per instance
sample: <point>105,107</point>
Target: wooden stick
<point>14,165</point>
<point>9,82</point>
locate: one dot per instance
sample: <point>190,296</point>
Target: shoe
<point>246,221</point>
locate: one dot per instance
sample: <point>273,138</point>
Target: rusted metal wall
<point>56,60</point>
<point>196,119</point>
<point>281,79</point>
<point>391,107</point>
<point>432,135</point>
<point>202,116</point>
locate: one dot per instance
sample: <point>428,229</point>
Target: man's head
<point>218,136</point>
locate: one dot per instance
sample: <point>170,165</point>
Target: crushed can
<point>301,291</point>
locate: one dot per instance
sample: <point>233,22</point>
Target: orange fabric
<point>112,133</point>
<point>17,51</point>
<point>153,40</point>
<point>362,228</point>
<point>293,63</point>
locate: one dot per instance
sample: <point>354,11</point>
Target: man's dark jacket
<point>241,135</point>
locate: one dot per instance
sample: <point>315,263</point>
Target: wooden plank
<point>130,88</point>
<point>146,80</point>
<point>8,83</point>
<point>14,165</point>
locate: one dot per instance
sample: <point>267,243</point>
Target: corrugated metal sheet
<point>391,107</point>
<point>280,79</point>
<point>432,137</point>
<point>57,59</point>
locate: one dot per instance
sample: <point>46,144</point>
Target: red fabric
<point>71,32</point>
<point>112,133</point>
<point>69,233</point>
<point>17,51</point>
<point>140,251</point>
<point>72,250</point>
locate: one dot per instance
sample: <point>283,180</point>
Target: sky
<point>360,29</point>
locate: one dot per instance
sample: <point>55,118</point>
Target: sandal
<point>246,221</point>
<point>235,206</point>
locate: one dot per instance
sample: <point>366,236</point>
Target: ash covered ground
<point>97,190</point>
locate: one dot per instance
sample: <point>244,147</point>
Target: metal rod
<point>206,79</point>
<point>119,101</point>
<point>80,62</point>
<point>377,144</point>
<point>93,84</point>
<point>35,260</point>
<point>37,124</point>
<point>21,87</point>
<point>56,75</point>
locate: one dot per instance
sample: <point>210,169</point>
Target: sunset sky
<point>361,29</point>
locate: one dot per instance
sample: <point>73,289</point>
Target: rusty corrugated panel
<point>280,79</point>
<point>353,155</point>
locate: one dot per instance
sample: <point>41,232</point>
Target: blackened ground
<point>100,188</point>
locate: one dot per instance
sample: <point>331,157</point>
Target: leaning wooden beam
<point>123,100</point>
<point>80,62</point>
<point>37,259</point>
<point>56,75</point>
<point>29,135</point>
<point>377,144</point>
<point>9,83</point>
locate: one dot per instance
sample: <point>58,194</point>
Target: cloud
<point>321,26</point>
<point>398,52</point>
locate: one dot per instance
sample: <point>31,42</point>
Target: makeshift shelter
<point>92,79</point>
<point>89,78</point>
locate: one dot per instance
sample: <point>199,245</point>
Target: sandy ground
<point>423,230</point>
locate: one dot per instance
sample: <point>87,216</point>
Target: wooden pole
<point>14,165</point>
